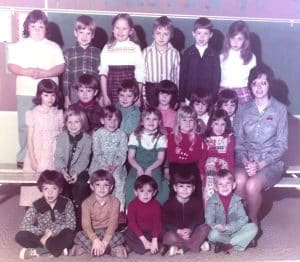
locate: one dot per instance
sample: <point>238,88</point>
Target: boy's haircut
<point>50,177</point>
<point>33,17</point>
<point>109,111</point>
<point>164,21</point>
<point>85,21</point>
<point>215,115</point>
<point>88,81</point>
<point>145,180</point>
<point>102,175</point>
<point>225,96</point>
<point>130,85</point>
<point>46,86</point>
<point>169,87</point>
<point>202,95</point>
<point>224,173</point>
<point>183,173</point>
<point>204,23</point>
<point>80,114</point>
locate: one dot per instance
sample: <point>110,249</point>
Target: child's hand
<point>251,168</point>
<point>105,101</point>
<point>140,171</point>
<point>154,246</point>
<point>73,179</point>
<point>66,176</point>
<point>33,164</point>
<point>148,172</point>
<point>147,244</point>
<point>67,102</point>
<point>220,227</point>
<point>186,233</point>
<point>44,238</point>
<point>98,247</point>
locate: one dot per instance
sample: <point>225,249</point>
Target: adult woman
<point>261,139</point>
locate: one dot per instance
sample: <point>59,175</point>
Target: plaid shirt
<point>79,61</point>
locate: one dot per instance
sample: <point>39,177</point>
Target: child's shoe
<point>174,250</point>
<point>119,252</point>
<point>65,252</point>
<point>205,246</point>
<point>27,253</point>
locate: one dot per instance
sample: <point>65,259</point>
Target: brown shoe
<point>119,252</point>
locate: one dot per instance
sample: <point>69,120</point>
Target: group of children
<point>141,129</point>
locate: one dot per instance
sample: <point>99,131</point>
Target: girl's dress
<point>110,149</point>
<point>122,60</point>
<point>147,150</point>
<point>234,74</point>
<point>219,155</point>
<point>46,123</point>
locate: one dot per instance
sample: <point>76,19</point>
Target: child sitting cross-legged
<point>100,213</point>
<point>183,216</point>
<point>226,215</point>
<point>49,224</point>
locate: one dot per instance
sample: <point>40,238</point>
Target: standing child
<point>87,89</point>
<point>146,154</point>
<point>32,59</point>
<point>226,215</point>
<point>167,96</point>
<point>72,157</point>
<point>128,95</point>
<point>202,102</point>
<point>110,150</point>
<point>237,60</point>
<point>162,60</point>
<point>227,100</point>
<point>44,123</point>
<point>200,65</point>
<point>83,58</point>
<point>100,213</point>
<point>48,226</point>
<point>144,217</point>
<point>183,217</point>
<point>220,144</point>
<point>121,58</point>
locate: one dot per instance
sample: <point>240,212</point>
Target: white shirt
<point>147,141</point>
<point>201,49</point>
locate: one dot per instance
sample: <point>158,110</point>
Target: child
<point>146,154</point>
<point>202,103</point>
<point>72,157</point>
<point>220,143</point>
<point>144,217</point>
<point>48,226</point>
<point>237,60</point>
<point>110,150</point>
<point>32,59</point>
<point>87,89</point>
<point>128,93</point>
<point>167,95</point>
<point>227,100</point>
<point>83,58</point>
<point>44,123</point>
<point>200,65</point>
<point>162,60</point>
<point>121,58</point>
<point>100,219</point>
<point>183,216</point>
<point>226,215</point>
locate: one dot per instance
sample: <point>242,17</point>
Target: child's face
<point>260,87</point>
<point>74,125</point>
<point>229,107</point>
<point>84,37</point>
<point>48,99</point>
<point>200,108</point>
<point>110,123</point>
<point>126,98</point>
<point>145,193</point>
<point>86,95</point>
<point>102,188</point>
<point>164,99</point>
<point>161,37</point>
<point>50,193</point>
<point>224,185</point>
<point>186,124</point>
<point>237,41</point>
<point>218,126</point>
<point>121,30</point>
<point>202,36</point>
<point>37,30</point>
<point>150,122</point>
<point>183,191</point>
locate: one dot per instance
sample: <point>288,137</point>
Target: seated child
<point>48,226</point>
<point>128,94</point>
<point>144,217</point>
<point>226,215</point>
<point>87,90</point>
<point>100,213</point>
<point>202,102</point>
<point>183,217</point>
<point>228,101</point>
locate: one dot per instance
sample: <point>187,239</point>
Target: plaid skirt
<point>116,74</point>
<point>243,93</point>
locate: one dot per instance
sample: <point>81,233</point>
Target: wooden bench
<point>292,180</point>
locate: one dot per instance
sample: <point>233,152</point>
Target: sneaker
<point>27,253</point>
<point>205,246</point>
<point>119,252</point>
<point>65,252</point>
<point>174,250</point>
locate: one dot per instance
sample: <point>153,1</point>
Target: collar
<point>79,46</point>
<point>86,105</point>
<point>75,139</point>
<point>42,206</point>
<point>95,201</point>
